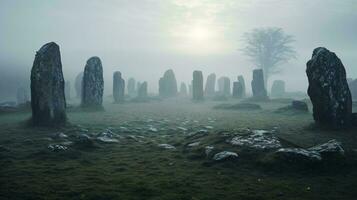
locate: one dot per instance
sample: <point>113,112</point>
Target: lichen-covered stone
<point>258,87</point>
<point>93,83</point>
<point>118,87</point>
<point>67,90</point>
<point>210,85</point>
<point>197,86</point>
<point>48,101</point>
<point>328,89</point>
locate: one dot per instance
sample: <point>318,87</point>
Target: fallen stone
<point>195,144</point>
<point>258,139</point>
<point>57,147</point>
<point>224,155</point>
<point>106,139</point>
<point>298,154</point>
<point>329,148</point>
<point>166,146</point>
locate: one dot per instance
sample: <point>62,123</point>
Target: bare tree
<point>268,48</point>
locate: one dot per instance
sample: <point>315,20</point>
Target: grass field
<point>136,168</point>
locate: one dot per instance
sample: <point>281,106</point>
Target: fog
<point>144,38</point>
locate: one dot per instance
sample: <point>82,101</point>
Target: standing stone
<point>197,86</point>
<point>118,87</point>
<point>190,89</point>
<point>210,85</point>
<point>78,85</point>
<point>168,84</point>
<point>278,88</point>
<point>131,87</point>
<point>237,90</point>
<point>143,91</point>
<point>242,82</point>
<point>183,90</point>
<point>48,101</point>
<point>224,86</point>
<point>328,89</point>
<point>258,88</point>
<point>67,90</point>
<point>93,83</point>
<point>22,96</point>
<point>137,87</point>
<point>353,88</point>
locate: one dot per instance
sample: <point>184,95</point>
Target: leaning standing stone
<point>197,86</point>
<point>328,89</point>
<point>47,87</point>
<point>93,83</point>
<point>118,87</point>
<point>258,88</point>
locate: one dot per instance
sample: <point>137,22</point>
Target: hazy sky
<point>143,38</point>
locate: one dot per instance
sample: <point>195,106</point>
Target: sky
<point>143,38</point>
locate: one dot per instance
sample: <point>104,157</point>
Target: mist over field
<point>142,39</point>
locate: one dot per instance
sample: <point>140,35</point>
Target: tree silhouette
<point>268,48</point>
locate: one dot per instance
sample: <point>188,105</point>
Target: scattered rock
<point>258,139</point>
<point>195,144</point>
<point>329,148</point>
<point>106,139</point>
<point>224,155</point>
<point>166,146</point>
<point>298,154</point>
<point>208,150</point>
<point>299,106</point>
<point>57,147</point>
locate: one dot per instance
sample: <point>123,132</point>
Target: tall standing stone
<point>22,96</point>
<point>67,90</point>
<point>183,89</point>
<point>224,86</point>
<point>258,88</point>
<point>168,84</point>
<point>118,87</point>
<point>131,87</point>
<point>48,101</point>
<point>278,88</point>
<point>93,83</point>
<point>143,90</point>
<point>242,82</point>
<point>237,90</point>
<point>197,86</point>
<point>210,85</point>
<point>328,89</point>
<point>79,85</point>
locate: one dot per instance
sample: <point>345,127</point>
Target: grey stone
<point>328,89</point>
<point>48,101</point>
<point>131,87</point>
<point>79,85</point>
<point>143,90</point>
<point>237,90</point>
<point>57,147</point>
<point>278,88</point>
<point>168,84</point>
<point>258,87</point>
<point>118,87</point>
<point>258,139</point>
<point>224,155</point>
<point>197,86</point>
<point>328,148</point>
<point>93,83</point>
<point>183,90</point>
<point>210,85</point>
<point>298,154</point>
<point>242,83</point>
<point>166,146</point>
<point>224,86</point>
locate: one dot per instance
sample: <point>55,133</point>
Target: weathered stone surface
<point>300,106</point>
<point>143,91</point>
<point>298,155</point>
<point>210,85</point>
<point>48,101</point>
<point>332,147</point>
<point>224,155</point>
<point>131,87</point>
<point>67,90</point>
<point>197,86</point>
<point>242,82</point>
<point>258,139</point>
<point>22,96</point>
<point>78,85</point>
<point>224,86</point>
<point>183,89</point>
<point>328,89</point>
<point>258,87</point>
<point>168,84</point>
<point>237,90</point>
<point>278,88</point>
<point>118,87</point>
<point>166,146</point>
<point>93,83</point>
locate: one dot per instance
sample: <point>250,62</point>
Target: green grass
<point>141,170</point>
